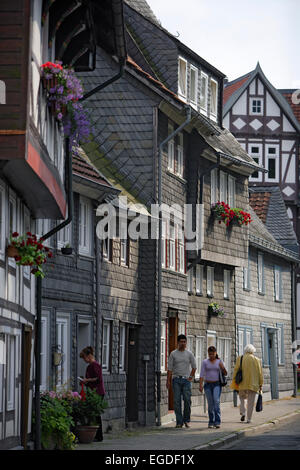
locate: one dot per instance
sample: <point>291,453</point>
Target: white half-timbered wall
<point>17,308</point>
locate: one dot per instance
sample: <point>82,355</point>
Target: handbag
<point>259,405</point>
<point>239,375</point>
<point>222,378</point>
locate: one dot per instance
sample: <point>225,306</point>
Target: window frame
<point>63,318</point>
<point>226,357</point>
<point>261,276</point>
<point>246,331</point>
<point>204,109</point>
<point>106,361</point>
<point>122,347</point>
<point>214,186</point>
<point>182,60</point>
<point>199,353</point>
<point>84,249</point>
<point>247,269</point>
<point>210,271</point>
<point>278,290</point>
<point>264,345</point>
<point>211,334</point>
<point>179,155</point>
<point>213,115</point>
<point>255,113</point>
<point>11,368</point>
<point>227,279</point>
<point>223,177</point>
<point>268,157</point>
<point>280,344</point>
<point>259,156</point>
<point>199,279</point>
<point>171,149</point>
<point>231,185</point>
<point>44,350</point>
<point>194,103</point>
<point>190,280</point>
<point>163,346</point>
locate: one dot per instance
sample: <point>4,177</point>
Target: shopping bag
<point>259,405</point>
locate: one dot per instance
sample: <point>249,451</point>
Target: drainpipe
<point>45,237</point>
<point>294,324</point>
<point>159,281</point>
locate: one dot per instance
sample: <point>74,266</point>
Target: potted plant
<point>56,421</point>
<point>215,309</point>
<point>29,251</point>
<point>67,250</point>
<point>224,213</point>
<point>64,91</point>
<point>86,414</point>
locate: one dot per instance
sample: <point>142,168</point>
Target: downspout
<point>45,237</point>
<point>294,324</point>
<point>159,269</point>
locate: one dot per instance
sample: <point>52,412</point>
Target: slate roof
<point>260,237</point>
<point>277,96</point>
<point>142,7</point>
<point>295,107</point>
<point>269,205</point>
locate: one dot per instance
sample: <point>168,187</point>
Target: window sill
<point>175,273</point>
<point>246,289</point>
<point>279,301</point>
<point>198,294</point>
<point>210,296</point>
<point>176,176</point>
<point>261,293</point>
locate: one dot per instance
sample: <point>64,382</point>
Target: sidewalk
<point>199,436</point>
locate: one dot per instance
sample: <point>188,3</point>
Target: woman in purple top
<point>210,372</point>
<point>93,379</point>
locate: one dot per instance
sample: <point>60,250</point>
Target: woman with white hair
<point>252,380</point>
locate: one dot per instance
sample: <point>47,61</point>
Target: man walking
<point>182,365</point>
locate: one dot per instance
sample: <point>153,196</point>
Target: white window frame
<point>124,247</point>
<point>272,156</point>
<point>210,281</point>
<point>194,102</point>
<point>2,367</point>
<point>213,113</point>
<point>163,244</point>
<point>179,154</point>
<point>199,279</point>
<point>84,227</point>
<point>163,342</point>
<point>2,221</point>
<point>43,226</point>
<point>181,250</point>
<point>247,276</point>
<point>258,156</point>
<point>278,291</point>
<point>224,352</point>
<point>245,336</point>
<point>212,335</point>
<point>122,347</point>
<point>44,351</point>
<point>190,280</point>
<point>190,343</point>
<point>231,191</point>
<point>227,275</point>
<point>14,226</point>
<point>199,354</point>
<point>63,340</point>
<point>280,344</point>
<point>172,248</point>
<point>64,236</point>
<point>255,113</point>
<point>105,349</point>
<point>182,93</point>
<point>214,186</point>
<point>260,273</point>
<point>106,249</point>
<point>203,102</point>
<point>223,187</point>
<point>171,149</point>
<point>182,327</point>
<point>11,368</point>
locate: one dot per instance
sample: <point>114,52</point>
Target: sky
<point>233,35</point>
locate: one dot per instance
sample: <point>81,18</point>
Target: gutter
<point>69,172</point>
<point>159,269</point>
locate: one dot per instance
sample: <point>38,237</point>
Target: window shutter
<point>213,186</point>
<point>231,191</point>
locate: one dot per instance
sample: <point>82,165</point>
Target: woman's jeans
<point>182,389</point>
<point>213,392</point>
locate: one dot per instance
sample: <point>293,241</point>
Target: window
<point>214,186</point>
<point>84,226</point>
<point>193,86</point>
<point>224,352</point>
<point>199,354</point>
<point>179,162</point>
<point>124,246</point>
<point>278,283</point>
<point>107,249</point>
<point>163,346</point>
<point>272,163</point>
<point>2,363</point>
<point>226,284</point>
<point>172,247</point>
<point>210,281</point>
<point>42,227</point>
<point>122,347</point>
<point>182,77</point>
<point>280,343</point>
<point>255,152</point>
<point>256,106</point>
<point>11,371</point>
<point>2,221</point>
<point>62,342</point>
<point>203,92</point>
<point>190,343</point>
<point>223,187</point>
<point>12,221</point>
<point>231,191</point>
<point>106,341</point>
<point>44,352</point>
<point>213,99</point>
<point>199,279</point>
<point>247,276</point>
<point>182,328</point>
<point>245,336</point>
<point>163,244</point>
<point>181,250</point>
<point>260,273</point>
<point>64,236</point>
<point>190,280</point>
<point>211,339</point>
<point>171,149</point>
<point>265,345</point>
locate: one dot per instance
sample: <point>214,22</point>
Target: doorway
<point>271,334</point>
<point>172,342</point>
<point>84,330</point>
<point>132,375</point>
<point>25,386</point>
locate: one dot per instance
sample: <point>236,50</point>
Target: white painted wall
<point>272,108</point>
<point>240,106</point>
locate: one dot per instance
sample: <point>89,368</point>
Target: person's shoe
<point>211,426</point>
<point>217,426</point>
<point>248,420</point>
<point>243,418</point>
<point>178,426</point>
<point>187,425</point>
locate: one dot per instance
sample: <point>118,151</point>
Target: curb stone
<point>240,434</point>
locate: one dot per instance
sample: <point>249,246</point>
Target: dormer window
<point>182,78</point>
<point>203,92</point>
<point>213,99</point>
<point>193,86</point>
<point>256,106</point>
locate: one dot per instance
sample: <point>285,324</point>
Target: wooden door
<point>132,375</point>
<point>172,342</point>
<point>26,364</point>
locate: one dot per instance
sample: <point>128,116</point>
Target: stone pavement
<point>199,436</point>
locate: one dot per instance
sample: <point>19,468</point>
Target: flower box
<point>215,310</point>
<point>223,213</point>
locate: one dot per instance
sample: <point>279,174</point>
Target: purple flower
<point>59,116</point>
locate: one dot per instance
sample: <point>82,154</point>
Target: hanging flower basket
<point>223,213</point>
<point>27,250</point>
<point>64,91</point>
<point>215,309</point>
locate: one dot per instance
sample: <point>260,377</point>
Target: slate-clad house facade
<point>201,164</point>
